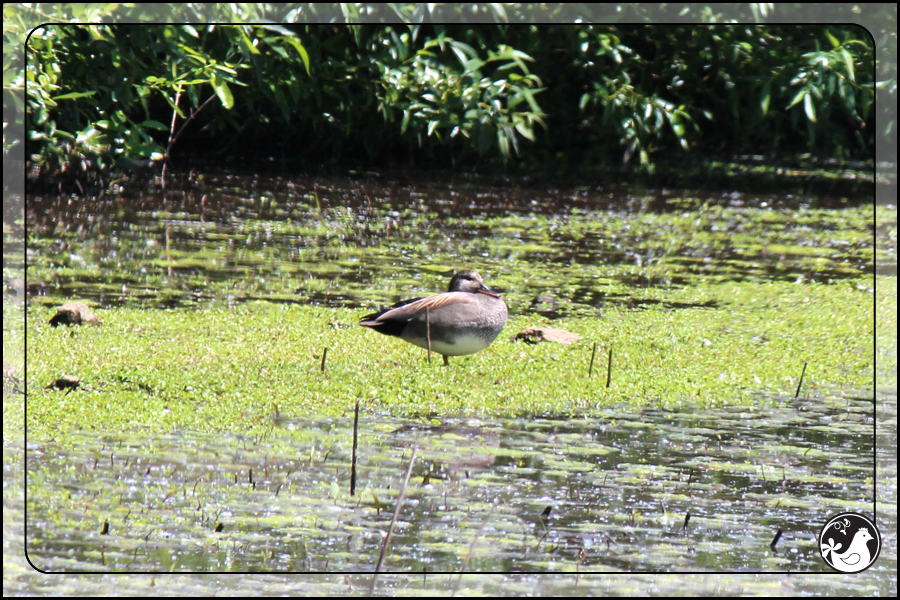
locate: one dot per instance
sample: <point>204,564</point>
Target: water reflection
<point>618,485</point>
<point>347,242</point>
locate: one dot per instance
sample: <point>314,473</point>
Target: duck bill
<point>488,292</point>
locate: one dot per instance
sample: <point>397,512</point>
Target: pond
<point>208,434</point>
<point>346,242</point>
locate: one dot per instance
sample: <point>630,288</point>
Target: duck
<point>463,320</point>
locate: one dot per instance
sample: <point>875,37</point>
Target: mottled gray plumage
<point>463,320</point>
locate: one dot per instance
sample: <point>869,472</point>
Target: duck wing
<point>408,310</point>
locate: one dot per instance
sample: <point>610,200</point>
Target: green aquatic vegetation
<point>201,398</point>
<point>584,257</point>
<point>705,306</point>
<point>283,498</point>
<point>239,367</point>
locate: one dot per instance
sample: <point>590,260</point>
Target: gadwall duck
<point>463,320</point>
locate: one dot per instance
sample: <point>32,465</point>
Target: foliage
<point>658,89</point>
<point>435,97</point>
<point>361,94</point>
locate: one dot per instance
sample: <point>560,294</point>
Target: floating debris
<point>74,313</point>
<point>533,335</point>
<point>66,382</point>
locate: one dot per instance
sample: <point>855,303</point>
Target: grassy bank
<point>237,368</point>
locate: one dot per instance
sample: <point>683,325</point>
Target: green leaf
<point>848,62</point>
<point>766,97</point>
<point>277,29</point>
<point>248,43</point>
<point>224,94</point>
<point>809,108</point>
<point>503,141</point>
<point>529,97</point>
<point>304,56</point>
<point>280,51</point>
<point>472,66</point>
<point>74,95</point>
<point>526,131</point>
<point>800,95</point>
<point>405,123</point>
<point>464,52</point>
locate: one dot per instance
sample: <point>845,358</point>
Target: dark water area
<point>259,196</point>
<point>606,491</point>
<point>226,237</point>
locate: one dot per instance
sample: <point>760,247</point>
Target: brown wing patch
<point>439,300</point>
<point>413,309</point>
